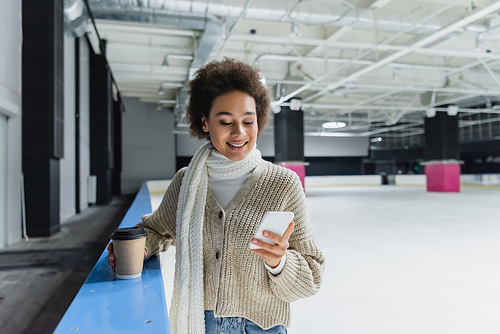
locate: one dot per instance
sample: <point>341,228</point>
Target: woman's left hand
<point>272,254</point>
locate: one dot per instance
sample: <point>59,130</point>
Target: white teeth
<point>237,145</point>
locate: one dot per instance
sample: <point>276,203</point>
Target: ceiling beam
<point>398,90</point>
<point>420,44</point>
<point>378,4</point>
<point>142,28</point>
<point>357,46</point>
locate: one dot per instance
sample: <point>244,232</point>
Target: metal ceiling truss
<point>372,106</point>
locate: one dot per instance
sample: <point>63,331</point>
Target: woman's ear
<point>204,123</point>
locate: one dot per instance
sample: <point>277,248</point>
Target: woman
<point>213,207</point>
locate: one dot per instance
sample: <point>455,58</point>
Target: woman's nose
<point>238,129</point>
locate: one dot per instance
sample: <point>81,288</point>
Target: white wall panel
<point>67,164</point>
<point>14,168</point>
<point>3,179</point>
<point>84,120</point>
<point>10,98</point>
<point>148,144</point>
<point>265,144</point>
<point>336,146</point>
<point>10,52</point>
<point>187,146</point>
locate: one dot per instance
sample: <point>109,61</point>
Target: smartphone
<point>276,222</point>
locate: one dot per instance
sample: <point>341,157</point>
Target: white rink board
<point>157,186</point>
<point>465,179</point>
<point>411,180</point>
<point>343,180</point>
<point>480,179</point>
<point>167,259</point>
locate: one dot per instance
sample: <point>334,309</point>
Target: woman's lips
<point>237,145</point>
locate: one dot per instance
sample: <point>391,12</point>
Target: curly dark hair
<point>221,77</point>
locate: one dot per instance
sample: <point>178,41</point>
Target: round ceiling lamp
<point>334,125</point>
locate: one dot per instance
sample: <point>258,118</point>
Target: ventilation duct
<point>157,12</point>
<point>212,27</point>
<point>75,17</point>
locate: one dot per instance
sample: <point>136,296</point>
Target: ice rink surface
<point>400,260</point>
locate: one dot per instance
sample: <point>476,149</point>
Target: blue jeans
<point>236,325</point>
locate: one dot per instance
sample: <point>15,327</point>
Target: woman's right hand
<point>111,256</point>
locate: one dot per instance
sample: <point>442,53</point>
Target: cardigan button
<point>220,215</point>
<point>217,255</point>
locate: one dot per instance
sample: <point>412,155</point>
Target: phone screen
<point>274,221</point>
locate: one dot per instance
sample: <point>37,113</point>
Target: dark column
<point>43,123</point>
<point>118,108</point>
<point>289,141</point>
<point>442,153</point>
<point>43,93</point>
<point>101,126</point>
<point>289,135</point>
<point>441,137</point>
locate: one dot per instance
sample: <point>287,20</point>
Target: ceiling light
<point>167,102</point>
<point>479,43</point>
<point>263,80</point>
<point>452,110</point>
<point>395,74</point>
<point>166,84</point>
<point>333,125</point>
<point>295,104</point>
<point>73,10</point>
<point>276,109</point>
<point>488,102</point>
<point>165,63</point>
<point>431,112</point>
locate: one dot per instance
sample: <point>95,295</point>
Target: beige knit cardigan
<point>236,282</point>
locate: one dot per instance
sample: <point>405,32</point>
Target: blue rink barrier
<point>105,304</point>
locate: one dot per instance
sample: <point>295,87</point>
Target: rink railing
<point>418,180</point>
<point>480,179</point>
<point>107,305</point>
<point>474,180</point>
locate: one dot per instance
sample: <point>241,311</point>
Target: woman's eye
<point>230,123</point>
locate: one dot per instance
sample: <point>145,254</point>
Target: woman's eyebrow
<point>223,113</point>
<point>226,113</point>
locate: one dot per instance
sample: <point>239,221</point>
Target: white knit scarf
<point>188,305</point>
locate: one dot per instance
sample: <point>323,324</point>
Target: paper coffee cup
<point>128,246</point>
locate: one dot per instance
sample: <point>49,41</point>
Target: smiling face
<point>232,124</point>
